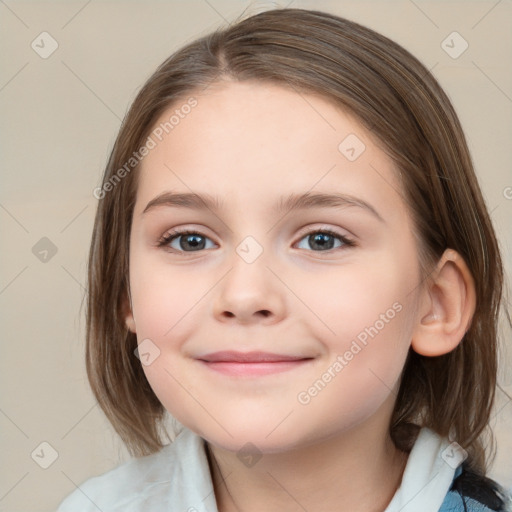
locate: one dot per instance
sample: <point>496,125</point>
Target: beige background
<point>60,117</point>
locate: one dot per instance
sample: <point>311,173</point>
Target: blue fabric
<point>455,502</point>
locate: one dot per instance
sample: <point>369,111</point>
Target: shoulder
<point>176,476</point>
<point>471,492</point>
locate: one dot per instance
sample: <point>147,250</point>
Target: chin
<point>251,437</point>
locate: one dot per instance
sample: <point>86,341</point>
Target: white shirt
<point>177,479</point>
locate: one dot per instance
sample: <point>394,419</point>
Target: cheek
<point>167,303</point>
<point>362,300</point>
<point>367,323</point>
<point>164,298</point>
<point>366,358</point>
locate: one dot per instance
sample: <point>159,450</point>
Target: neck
<point>358,470</point>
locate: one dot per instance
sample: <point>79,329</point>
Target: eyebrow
<point>292,202</point>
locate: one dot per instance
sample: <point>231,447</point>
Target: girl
<point>292,257</point>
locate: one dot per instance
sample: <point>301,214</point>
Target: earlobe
<point>128,313</point>
<point>447,308</point>
<point>130,323</point>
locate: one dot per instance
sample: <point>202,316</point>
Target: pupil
<point>322,241</point>
<point>195,243</point>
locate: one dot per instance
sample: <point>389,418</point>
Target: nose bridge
<point>251,249</point>
<point>249,263</point>
<point>251,233</point>
<point>259,246</point>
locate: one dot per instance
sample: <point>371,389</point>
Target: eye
<point>193,241</point>
<point>324,239</point>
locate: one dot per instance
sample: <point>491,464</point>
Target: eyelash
<point>167,239</point>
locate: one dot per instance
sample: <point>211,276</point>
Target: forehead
<point>248,141</point>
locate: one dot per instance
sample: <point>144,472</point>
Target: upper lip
<point>248,357</point>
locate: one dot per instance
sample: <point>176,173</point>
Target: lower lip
<point>254,369</point>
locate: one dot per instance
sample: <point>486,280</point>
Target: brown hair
<point>397,98</point>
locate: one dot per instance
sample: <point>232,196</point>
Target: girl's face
<point>336,312</point>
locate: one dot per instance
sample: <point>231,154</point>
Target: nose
<point>250,293</point>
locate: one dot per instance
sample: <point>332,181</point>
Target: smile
<point>251,363</point>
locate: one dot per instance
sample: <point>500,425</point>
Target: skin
<point>250,144</point>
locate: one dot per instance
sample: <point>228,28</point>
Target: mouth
<point>251,363</point>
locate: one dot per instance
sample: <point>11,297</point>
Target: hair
<point>397,99</point>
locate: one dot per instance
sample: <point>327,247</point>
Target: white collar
<point>428,474</point>
<point>178,478</point>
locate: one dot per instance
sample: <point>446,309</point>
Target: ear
<point>446,308</point>
<point>128,312</point>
